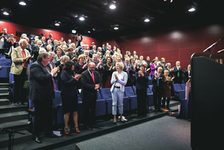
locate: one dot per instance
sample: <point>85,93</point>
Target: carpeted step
<point>12,108</point>
<point>4,84</point>
<point>4,101</point>
<point>4,95</point>
<point>19,124</point>
<point>4,89</point>
<point>13,116</point>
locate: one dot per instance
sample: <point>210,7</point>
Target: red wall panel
<point>13,28</point>
<point>174,45</point>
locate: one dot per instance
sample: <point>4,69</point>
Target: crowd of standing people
<point>68,66</point>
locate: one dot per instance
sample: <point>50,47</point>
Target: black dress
<point>69,92</point>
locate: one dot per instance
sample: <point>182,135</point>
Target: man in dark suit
<point>157,88</point>
<point>90,84</point>
<point>42,93</point>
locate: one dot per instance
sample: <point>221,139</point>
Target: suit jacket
<point>68,83</point>
<point>158,83</point>
<point>17,60</point>
<point>142,82</point>
<point>88,86</point>
<point>41,83</point>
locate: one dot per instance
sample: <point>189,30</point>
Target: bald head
<point>91,66</point>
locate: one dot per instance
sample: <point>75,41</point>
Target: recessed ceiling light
<point>81,18</point>
<point>112,6</point>
<point>116,28</point>
<point>89,31</point>
<point>74,31</point>
<point>146,20</point>
<point>5,13</point>
<point>192,9</point>
<point>57,24</point>
<point>22,3</point>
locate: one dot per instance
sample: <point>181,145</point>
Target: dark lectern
<point>207,105</point>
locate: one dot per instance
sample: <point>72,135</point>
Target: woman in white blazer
<point>118,80</point>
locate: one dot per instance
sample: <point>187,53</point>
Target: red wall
<point>174,44</point>
<point>13,28</point>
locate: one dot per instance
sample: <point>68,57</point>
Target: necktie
<point>23,53</point>
<point>93,77</point>
<point>24,56</point>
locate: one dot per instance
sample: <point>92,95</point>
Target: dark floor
<point>166,133</point>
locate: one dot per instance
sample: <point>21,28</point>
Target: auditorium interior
<point>111,74</point>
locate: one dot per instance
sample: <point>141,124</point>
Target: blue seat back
<point>149,90</point>
<point>105,92</point>
<point>129,91</point>
<point>134,89</point>
<point>4,71</point>
<point>177,87</point>
<point>57,100</point>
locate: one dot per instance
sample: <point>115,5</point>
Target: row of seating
<point>179,91</point>
<point>5,65</point>
<point>104,99</point>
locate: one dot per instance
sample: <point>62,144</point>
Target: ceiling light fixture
<point>57,23</point>
<point>116,28</point>
<point>112,6</point>
<point>74,31</point>
<point>89,32</point>
<point>22,3</point>
<point>5,13</point>
<point>146,20</point>
<point>192,9</point>
<point>81,18</point>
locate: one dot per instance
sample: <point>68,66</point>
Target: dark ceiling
<point>129,15</point>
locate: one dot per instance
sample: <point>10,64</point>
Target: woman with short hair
<point>118,80</point>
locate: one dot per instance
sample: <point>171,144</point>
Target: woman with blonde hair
<point>118,80</point>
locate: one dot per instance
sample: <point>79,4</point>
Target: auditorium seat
<point>150,95</point>
<point>57,100</point>
<point>183,86</point>
<point>11,79</point>
<point>106,95</point>
<point>58,110</point>
<point>101,105</point>
<point>4,71</point>
<point>179,91</point>
<point>129,92</point>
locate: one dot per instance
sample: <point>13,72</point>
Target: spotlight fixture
<point>89,32</point>
<point>22,3</point>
